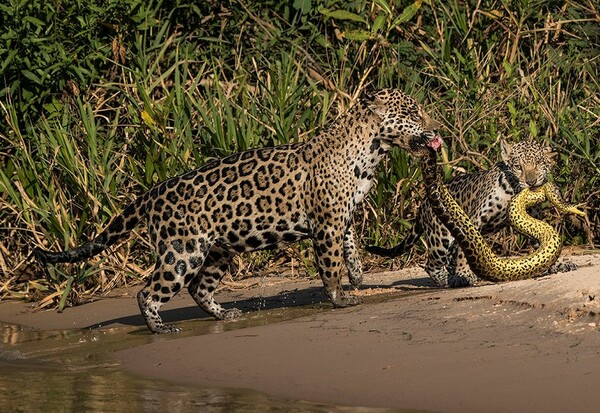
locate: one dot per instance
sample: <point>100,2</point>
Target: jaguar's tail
<point>406,244</point>
<point>116,230</point>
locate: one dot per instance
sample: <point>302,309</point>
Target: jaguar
<point>479,255</point>
<point>485,197</point>
<point>264,198</point>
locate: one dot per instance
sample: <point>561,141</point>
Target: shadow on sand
<point>289,298</point>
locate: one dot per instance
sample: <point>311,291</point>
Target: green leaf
<point>511,108</point>
<point>342,15</point>
<point>384,6</point>
<point>29,75</point>
<point>533,128</point>
<point>507,67</point>
<point>53,108</point>
<point>305,6</point>
<point>407,14</point>
<point>149,166</point>
<point>7,60</point>
<point>34,20</point>
<point>378,23</point>
<point>358,35</point>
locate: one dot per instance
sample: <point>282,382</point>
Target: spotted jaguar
<point>485,196</point>
<point>261,199</point>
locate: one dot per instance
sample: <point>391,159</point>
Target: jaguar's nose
<point>534,180</point>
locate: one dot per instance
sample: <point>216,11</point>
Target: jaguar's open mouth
<point>436,142</point>
<point>425,142</point>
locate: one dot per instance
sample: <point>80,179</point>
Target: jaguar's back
<point>485,197</point>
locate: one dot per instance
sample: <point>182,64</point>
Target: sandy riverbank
<point>526,346</point>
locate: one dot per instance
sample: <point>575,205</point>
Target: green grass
<point>100,100</point>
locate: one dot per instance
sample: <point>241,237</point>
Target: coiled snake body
<point>479,255</point>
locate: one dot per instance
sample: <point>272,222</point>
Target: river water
<point>72,370</point>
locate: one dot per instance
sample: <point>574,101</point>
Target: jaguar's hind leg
<point>459,272</point>
<point>355,272</point>
<point>561,266</point>
<point>436,265</point>
<point>203,286</point>
<point>149,304</point>
<point>174,269</point>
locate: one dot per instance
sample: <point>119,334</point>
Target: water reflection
<point>72,370</point>
<point>31,388</point>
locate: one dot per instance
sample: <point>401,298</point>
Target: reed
<point>100,100</point>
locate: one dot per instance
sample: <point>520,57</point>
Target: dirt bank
<point>530,345</point>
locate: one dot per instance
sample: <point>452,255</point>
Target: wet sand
<point>525,346</point>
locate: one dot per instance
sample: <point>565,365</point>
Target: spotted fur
<point>262,198</point>
<point>485,197</point>
<point>479,255</point>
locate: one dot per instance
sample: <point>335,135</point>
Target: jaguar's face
<point>529,161</point>
<point>404,122</point>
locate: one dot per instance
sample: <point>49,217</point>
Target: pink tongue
<point>436,142</point>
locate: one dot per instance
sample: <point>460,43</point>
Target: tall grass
<point>100,100</point>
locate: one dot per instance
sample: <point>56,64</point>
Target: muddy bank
<point>530,345</point>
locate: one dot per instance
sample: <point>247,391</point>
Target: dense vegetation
<point>99,99</point>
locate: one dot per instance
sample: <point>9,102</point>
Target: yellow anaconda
<point>479,255</point>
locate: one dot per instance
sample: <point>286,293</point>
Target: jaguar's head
<point>404,122</point>
<point>529,161</point>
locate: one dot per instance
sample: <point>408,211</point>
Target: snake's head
<point>430,168</point>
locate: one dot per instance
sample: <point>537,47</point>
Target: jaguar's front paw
<point>458,281</point>
<point>165,329</point>
<point>231,314</point>
<point>347,301</point>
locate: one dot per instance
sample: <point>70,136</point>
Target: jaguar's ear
<point>375,104</point>
<point>429,123</point>
<point>549,152</point>
<point>505,149</point>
